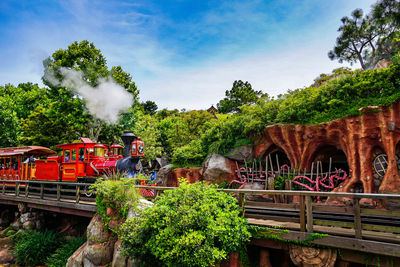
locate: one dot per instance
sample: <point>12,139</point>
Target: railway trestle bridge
<point>356,230</point>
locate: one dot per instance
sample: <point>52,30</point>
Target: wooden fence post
<point>41,191</point>
<point>17,189</point>
<point>242,202</point>
<point>78,193</point>
<point>58,192</point>
<point>27,190</point>
<point>309,214</point>
<point>357,218</point>
<point>302,214</point>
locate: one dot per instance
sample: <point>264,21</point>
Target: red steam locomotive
<point>83,161</point>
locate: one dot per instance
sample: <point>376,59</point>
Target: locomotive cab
<point>137,148</point>
<point>116,150</point>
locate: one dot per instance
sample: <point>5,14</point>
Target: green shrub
<point>191,154</point>
<point>192,225</point>
<point>60,257</point>
<point>118,194</point>
<point>32,247</point>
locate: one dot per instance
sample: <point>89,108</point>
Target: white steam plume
<point>105,101</point>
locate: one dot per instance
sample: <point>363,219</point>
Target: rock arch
<point>325,152</point>
<point>278,156</point>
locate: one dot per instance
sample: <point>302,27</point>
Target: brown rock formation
<point>360,138</point>
<point>192,174</point>
<point>312,257</point>
<point>170,177</point>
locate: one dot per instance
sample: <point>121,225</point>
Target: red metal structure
<point>17,163</point>
<point>82,161</point>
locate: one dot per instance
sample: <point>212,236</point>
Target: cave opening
<point>277,158</point>
<point>330,159</point>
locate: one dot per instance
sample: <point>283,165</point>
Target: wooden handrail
<point>291,193</point>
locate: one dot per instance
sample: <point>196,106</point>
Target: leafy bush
<point>32,248</point>
<point>60,257</point>
<point>117,194</point>
<point>190,154</point>
<point>192,225</point>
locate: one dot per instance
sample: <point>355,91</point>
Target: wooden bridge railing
<point>303,211</point>
<point>59,191</point>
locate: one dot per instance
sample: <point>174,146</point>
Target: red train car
<point>18,163</point>
<point>82,161</point>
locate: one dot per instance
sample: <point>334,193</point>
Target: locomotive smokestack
<point>127,137</point>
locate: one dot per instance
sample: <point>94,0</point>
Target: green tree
<point>9,124</point>
<point>241,93</point>
<point>66,110</point>
<point>149,107</point>
<point>125,80</point>
<point>370,38</point>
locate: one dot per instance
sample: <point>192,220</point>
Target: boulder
<point>162,161</point>
<point>100,253</point>
<point>217,169</point>
<point>16,225</point>
<point>162,175</point>
<point>22,207</point>
<point>241,153</point>
<point>29,225</point>
<point>142,204</point>
<point>96,232</point>
<point>25,217</point>
<point>76,259</point>
<point>119,260</point>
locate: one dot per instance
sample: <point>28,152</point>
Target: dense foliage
<point>334,96</point>
<point>193,225</point>
<point>32,248</point>
<point>117,193</point>
<point>241,94</point>
<point>60,256</point>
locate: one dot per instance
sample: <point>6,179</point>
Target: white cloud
<point>274,73</point>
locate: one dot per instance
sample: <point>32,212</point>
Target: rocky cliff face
<point>361,138</point>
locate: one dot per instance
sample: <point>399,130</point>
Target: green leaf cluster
<point>117,194</point>
<point>192,225</point>
<point>32,248</point>
<point>60,257</point>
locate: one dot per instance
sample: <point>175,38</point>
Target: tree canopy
<point>370,38</point>
<point>241,94</point>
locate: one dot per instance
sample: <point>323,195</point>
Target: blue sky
<point>181,54</point>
